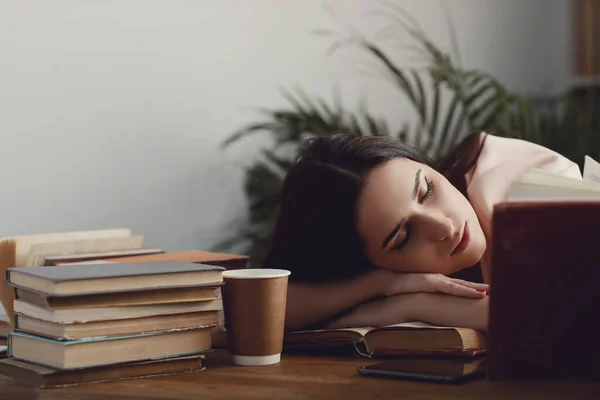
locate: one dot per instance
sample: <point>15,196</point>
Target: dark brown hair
<point>315,235</point>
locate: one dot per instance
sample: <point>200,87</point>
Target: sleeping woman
<point>375,233</point>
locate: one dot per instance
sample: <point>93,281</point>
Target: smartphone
<point>427,369</point>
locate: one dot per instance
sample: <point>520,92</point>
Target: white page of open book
<point>538,185</point>
<point>24,242</point>
<point>591,170</point>
<point>364,329</point>
<point>82,246</point>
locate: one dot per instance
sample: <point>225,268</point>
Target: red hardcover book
<point>545,301</point>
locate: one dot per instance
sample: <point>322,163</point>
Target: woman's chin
<point>471,257</point>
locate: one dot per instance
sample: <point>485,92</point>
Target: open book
<point>539,186</point>
<point>414,338</point>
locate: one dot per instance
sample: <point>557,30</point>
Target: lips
<point>463,242</point>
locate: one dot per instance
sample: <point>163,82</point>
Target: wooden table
<point>298,377</point>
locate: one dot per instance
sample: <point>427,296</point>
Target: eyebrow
<point>417,183</point>
<point>394,231</point>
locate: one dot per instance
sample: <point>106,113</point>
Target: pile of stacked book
<point>107,321</point>
<point>104,245</point>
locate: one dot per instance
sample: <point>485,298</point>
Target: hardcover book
<point>545,269</point>
<point>38,376</point>
<point>102,351</point>
<point>90,278</point>
<point>415,338</point>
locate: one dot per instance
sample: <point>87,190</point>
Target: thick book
<point>544,274</point>
<point>44,260</point>
<point>83,330</point>
<point>414,338</point>
<point>544,296</point>
<point>95,352</point>
<point>90,278</point>
<point>225,260</point>
<point>81,246</point>
<point>183,294</point>
<point>39,377</point>
<point>90,314</point>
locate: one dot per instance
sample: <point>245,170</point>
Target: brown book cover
<point>107,255</point>
<point>181,294</point>
<point>90,278</point>
<point>102,351</point>
<point>86,330</point>
<point>544,291</point>
<point>38,376</point>
<point>414,338</point>
<point>89,314</point>
<point>227,261</point>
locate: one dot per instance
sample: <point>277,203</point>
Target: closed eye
<point>423,199</point>
<point>428,192</point>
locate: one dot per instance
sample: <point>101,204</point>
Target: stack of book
<point>108,321</point>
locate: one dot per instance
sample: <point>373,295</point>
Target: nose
<point>436,225</point>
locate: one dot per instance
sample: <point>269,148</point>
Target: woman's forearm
<point>309,304</point>
<point>436,309</point>
<point>320,303</point>
<point>439,309</point>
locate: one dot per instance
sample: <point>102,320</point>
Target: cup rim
<point>256,273</point>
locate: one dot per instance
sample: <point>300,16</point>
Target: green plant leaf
<point>445,132</point>
<point>477,101</point>
<point>436,107</point>
<point>420,99</point>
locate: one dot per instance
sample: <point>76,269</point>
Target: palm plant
<point>449,101</point>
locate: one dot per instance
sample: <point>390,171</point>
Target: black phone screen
<point>427,369</point>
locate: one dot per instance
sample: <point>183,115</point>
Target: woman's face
<point>412,219</point>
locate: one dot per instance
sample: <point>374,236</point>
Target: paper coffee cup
<point>254,302</point>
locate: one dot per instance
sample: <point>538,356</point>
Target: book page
<point>591,170</point>
<point>536,185</point>
<point>363,330</point>
<point>416,325</point>
<point>90,262</point>
<point>25,242</point>
<point>82,246</point>
<point>360,330</point>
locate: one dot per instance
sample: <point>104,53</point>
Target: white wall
<point>111,112</point>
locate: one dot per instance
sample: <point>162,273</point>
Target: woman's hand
<point>394,283</point>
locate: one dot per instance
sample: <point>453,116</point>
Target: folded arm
<point>436,309</point>
<point>316,304</point>
<point>310,304</point>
